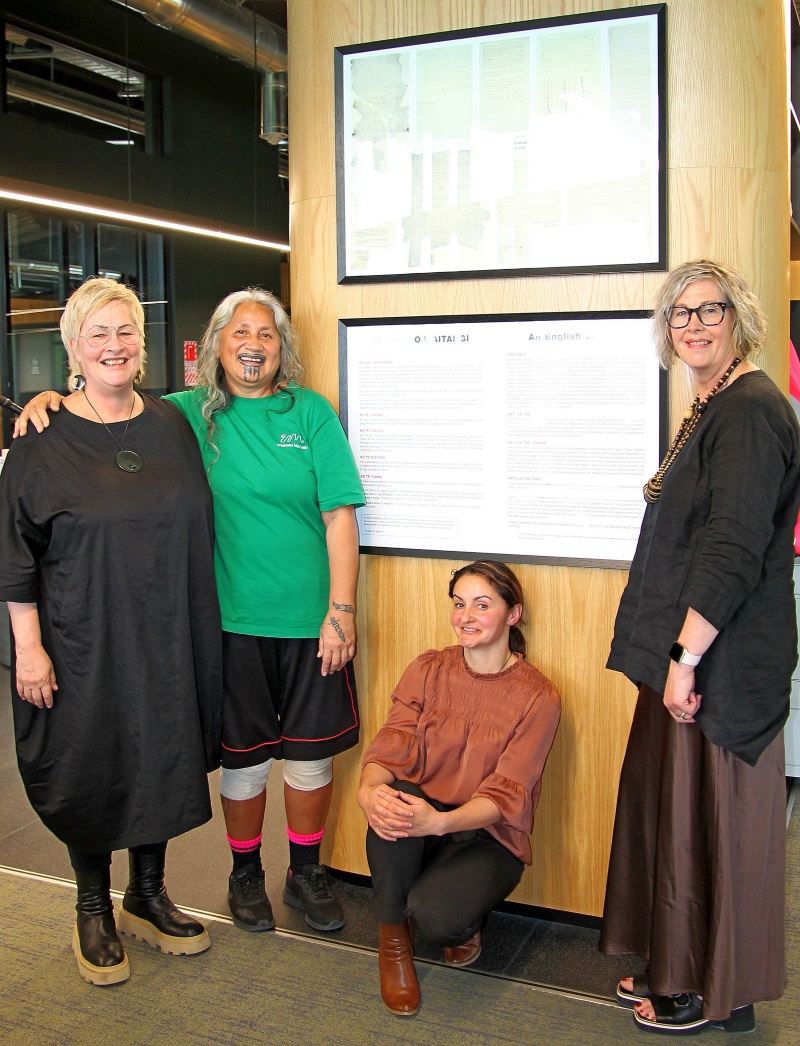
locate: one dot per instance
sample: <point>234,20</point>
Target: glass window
<point>137,258</point>
<point>47,259</point>
<point>81,92</point>
<point>45,263</point>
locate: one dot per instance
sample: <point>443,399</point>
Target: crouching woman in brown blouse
<point>450,784</point>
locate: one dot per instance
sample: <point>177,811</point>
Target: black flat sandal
<point>675,1015</point>
<point>639,992</point>
<point>683,1015</point>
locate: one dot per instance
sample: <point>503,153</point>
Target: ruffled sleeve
<point>514,802</point>
<point>396,745</point>
<point>516,782</point>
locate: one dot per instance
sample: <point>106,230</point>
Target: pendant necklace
<point>692,415</point>
<point>127,460</point>
<point>497,673</point>
<point>511,654</point>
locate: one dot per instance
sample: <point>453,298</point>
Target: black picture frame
<point>505,254</point>
<point>441,359</point>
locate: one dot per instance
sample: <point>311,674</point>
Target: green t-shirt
<point>278,469</point>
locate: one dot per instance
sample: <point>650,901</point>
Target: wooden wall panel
<point>314,292</point>
<point>757,241</point>
<point>728,198</point>
<point>404,610</point>
<point>727,84</point>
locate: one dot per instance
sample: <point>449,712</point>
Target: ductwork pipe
<point>274,109</point>
<point>27,88</point>
<point>283,162</point>
<point>220,26</point>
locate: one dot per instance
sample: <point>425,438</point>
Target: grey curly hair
<point>749,321</point>
<point>210,372</point>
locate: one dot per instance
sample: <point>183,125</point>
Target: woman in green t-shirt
<point>285,488</point>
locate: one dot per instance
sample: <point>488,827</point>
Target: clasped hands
<point>395,815</point>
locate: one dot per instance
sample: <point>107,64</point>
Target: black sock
<point>303,853</point>
<point>246,853</point>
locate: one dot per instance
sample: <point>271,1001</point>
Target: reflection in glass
<point>48,260</point>
<point>80,92</point>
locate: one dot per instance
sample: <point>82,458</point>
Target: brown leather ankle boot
<point>464,954</point>
<point>399,985</point>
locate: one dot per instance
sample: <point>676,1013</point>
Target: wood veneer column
<point>728,199</point>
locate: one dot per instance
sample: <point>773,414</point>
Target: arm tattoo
<point>348,608</point>
<point>338,629</point>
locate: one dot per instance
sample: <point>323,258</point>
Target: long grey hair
<point>210,372</point>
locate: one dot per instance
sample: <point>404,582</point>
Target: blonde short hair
<point>92,295</point>
<point>749,321</point>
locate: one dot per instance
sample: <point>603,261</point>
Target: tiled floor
<point>515,946</point>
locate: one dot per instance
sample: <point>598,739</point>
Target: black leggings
<point>95,862</point>
<point>447,884</point>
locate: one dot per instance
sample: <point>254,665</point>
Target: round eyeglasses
<point>99,336</point>
<point>710,314</point>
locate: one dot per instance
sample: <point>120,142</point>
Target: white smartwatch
<point>682,656</point>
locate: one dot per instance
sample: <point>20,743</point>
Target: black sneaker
<point>311,893</point>
<point>248,900</point>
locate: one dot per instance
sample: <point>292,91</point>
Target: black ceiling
<point>272,10</point>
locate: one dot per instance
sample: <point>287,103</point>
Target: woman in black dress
<point>706,629</point>
<point>106,538</point>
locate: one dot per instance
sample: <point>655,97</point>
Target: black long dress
<point>121,568</point>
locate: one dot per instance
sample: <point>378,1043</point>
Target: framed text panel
<point>535,147</point>
<point>527,438</point>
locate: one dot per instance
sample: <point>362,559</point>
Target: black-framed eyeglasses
<point>99,336</point>
<point>710,314</point>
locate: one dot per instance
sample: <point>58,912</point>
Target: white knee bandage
<point>308,775</point>
<point>246,783</point>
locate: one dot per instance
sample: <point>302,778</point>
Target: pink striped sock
<point>303,850</point>
<point>304,840</point>
<point>242,845</point>
<point>245,852</point>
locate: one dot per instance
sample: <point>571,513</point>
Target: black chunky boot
<point>97,948</point>
<point>147,912</point>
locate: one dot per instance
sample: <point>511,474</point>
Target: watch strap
<point>680,654</point>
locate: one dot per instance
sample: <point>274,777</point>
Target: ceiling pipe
<point>274,108</point>
<point>25,88</point>
<point>220,26</point>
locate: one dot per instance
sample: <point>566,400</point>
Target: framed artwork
<point>530,148</point>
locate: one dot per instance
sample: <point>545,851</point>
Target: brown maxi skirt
<point>697,874</point>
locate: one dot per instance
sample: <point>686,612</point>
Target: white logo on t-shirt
<point>292,439</point>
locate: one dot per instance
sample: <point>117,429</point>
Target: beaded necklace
<point>691,416</point>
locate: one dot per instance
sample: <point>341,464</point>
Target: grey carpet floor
<point>265,988</point>
<point>519,947</point>
<point>281,989</point>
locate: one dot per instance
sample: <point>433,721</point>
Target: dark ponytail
<point>516,641</point>
<point>506,583</point>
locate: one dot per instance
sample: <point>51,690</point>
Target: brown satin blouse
<point>458,735</point>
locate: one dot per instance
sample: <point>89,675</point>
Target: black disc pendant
<point>129,461</point>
